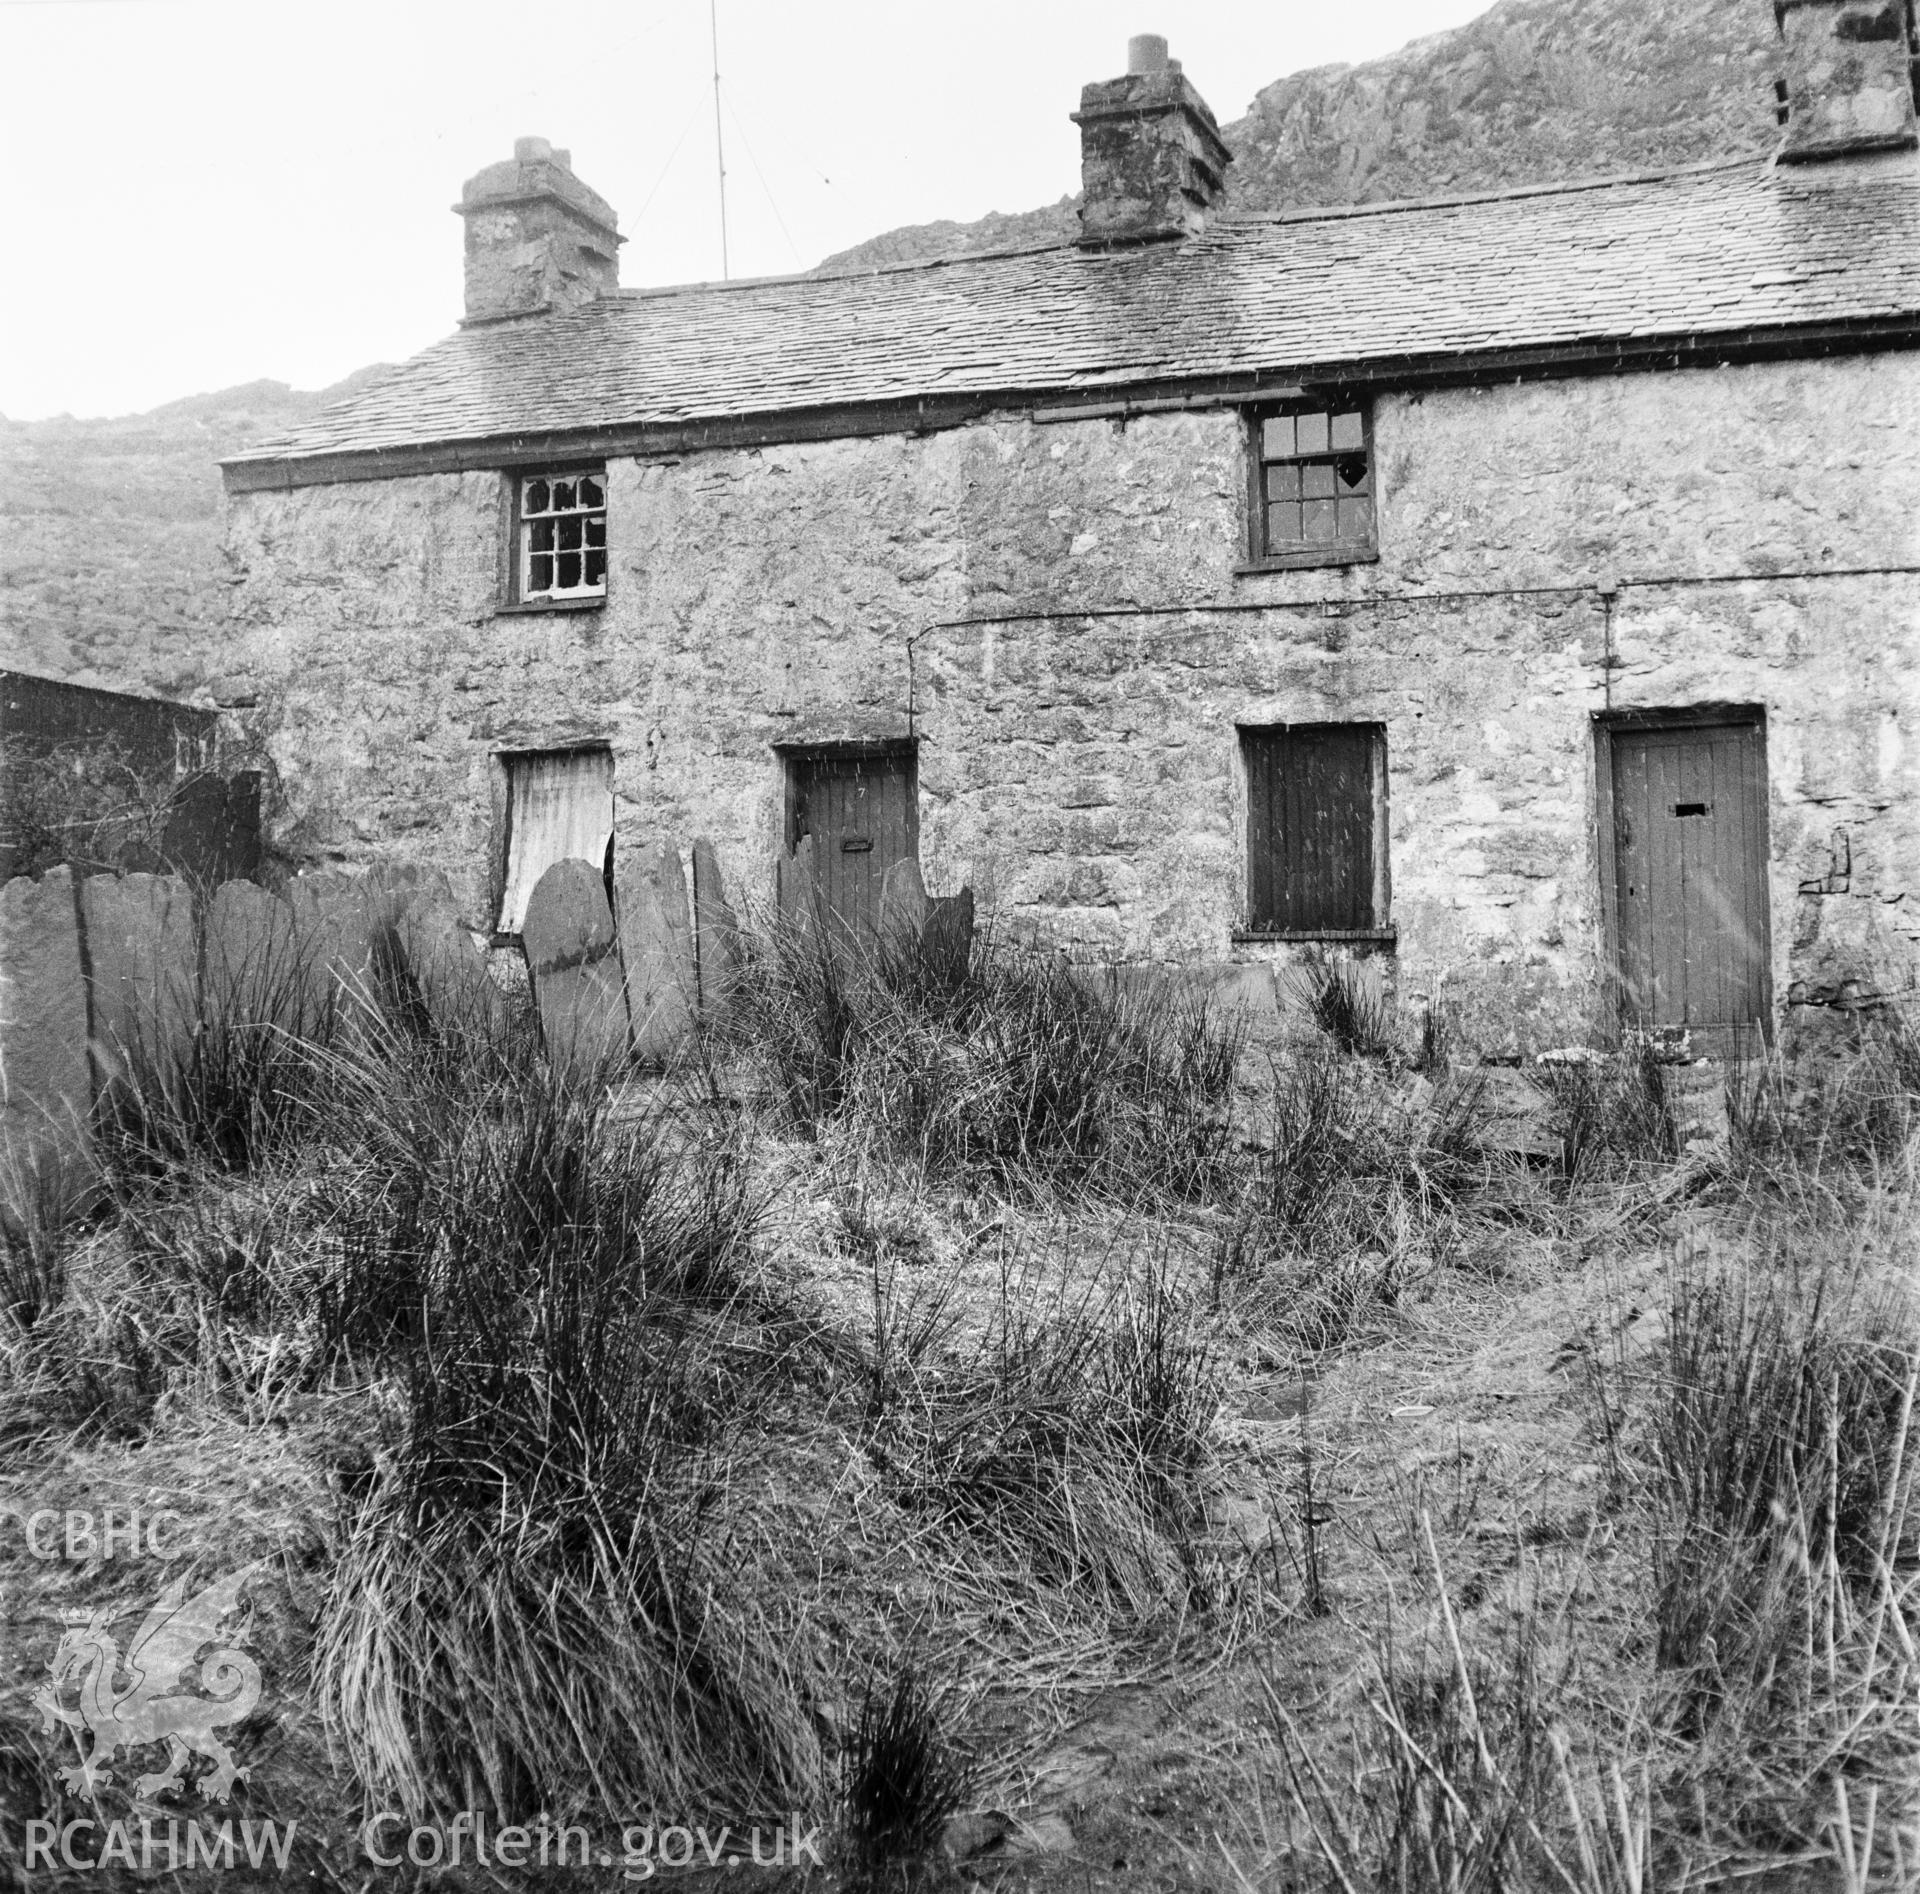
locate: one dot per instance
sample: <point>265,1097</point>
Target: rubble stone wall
<point>1078,763</point>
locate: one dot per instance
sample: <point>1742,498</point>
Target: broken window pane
<point>561,518</point>
<point>1316,481</point>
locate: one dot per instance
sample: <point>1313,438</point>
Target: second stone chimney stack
<point>537,239</point>
<point>1850,78</point>
<point>1152,162</point>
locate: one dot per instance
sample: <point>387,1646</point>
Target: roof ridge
<point>817,275</point>
<point>1229,219</point>
<point>1567,187</point>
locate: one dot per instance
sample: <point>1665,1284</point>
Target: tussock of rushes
<point>40,1212</point>
<point>1451,1782</point>
<point>1350,1198</point>
<point>535,1602</point>
<point>1021,1071</point>
<point>536,1662</point>
<point>903,1776</point>
<point>1784,1464</point>
<point>1073,1438</point>
<point>1829,1114</point>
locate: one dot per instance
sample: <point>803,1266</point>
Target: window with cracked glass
<point>561,535</point>
<point>1313,485</point>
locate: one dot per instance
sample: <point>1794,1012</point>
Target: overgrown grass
<point>1363,1182</point>
<point>903,1777</point>
<point>1019,1071</point>
<point>534,1602</point>
<point>1856,1106</point>
<point>1782,1445</point>
<point>1611,1115</point>
<point>1070,1435</point>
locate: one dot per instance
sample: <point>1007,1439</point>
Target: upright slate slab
<point>141,957</point>
<point>718,950</point>
<point>903,905</point>
<point>430,952</point>
<point>46,1092</point>
<point>656,941</point>
<point>797,890</point>
<point>333,924</point>
<point>947,940</point>
<point>569,942</point>
<point>253,968</point>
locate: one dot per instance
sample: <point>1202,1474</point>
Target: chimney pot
<point>531,150</point>
<point>1147,52</point>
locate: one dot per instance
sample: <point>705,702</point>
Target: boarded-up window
<point>559,806</point>
<point>1316,828</point>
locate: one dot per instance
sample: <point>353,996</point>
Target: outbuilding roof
<point>1692,264</point>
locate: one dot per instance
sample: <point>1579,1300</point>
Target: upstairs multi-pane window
<point>562,537</point>
<point>1313,494</point>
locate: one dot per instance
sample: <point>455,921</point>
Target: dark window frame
<point>1257,925</point>
<point>515,593</point>
<point>1286,556</point>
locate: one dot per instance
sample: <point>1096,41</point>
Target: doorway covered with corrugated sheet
<point>559,807</point>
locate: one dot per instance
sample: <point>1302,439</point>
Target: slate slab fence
<point>99,971</point>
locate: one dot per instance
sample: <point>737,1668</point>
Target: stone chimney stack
<point>1851,77</point>
<point>537,239</point>
<point>1152,163</point>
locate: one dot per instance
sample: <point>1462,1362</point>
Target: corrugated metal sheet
<point>560,806</point>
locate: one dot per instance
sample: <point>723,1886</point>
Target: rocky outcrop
<point>1532,92</point>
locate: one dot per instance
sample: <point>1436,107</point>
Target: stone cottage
<point>1522,590</point>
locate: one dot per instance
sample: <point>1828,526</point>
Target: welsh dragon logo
<point>148,1706</point>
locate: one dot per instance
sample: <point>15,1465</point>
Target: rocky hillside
<point>110,570</point>
<point>1531,91</point>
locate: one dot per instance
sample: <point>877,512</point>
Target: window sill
<point>1306,561</point>
<point>1385,936</point>
<point>533,607</point>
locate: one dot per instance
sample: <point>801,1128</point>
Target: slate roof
<point>1713,251</point>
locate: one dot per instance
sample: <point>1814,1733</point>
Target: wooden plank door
<point>861,812</point>
<point>1690,879</point>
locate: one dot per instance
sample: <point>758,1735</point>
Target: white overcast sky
<point>209,191</point>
